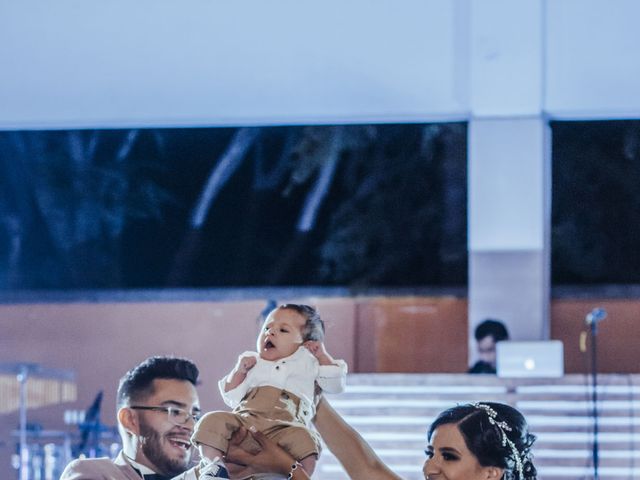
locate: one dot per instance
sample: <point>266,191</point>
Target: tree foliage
<point>78,191</point>
<point>357,205</point>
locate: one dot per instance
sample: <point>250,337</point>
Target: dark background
<point>596,202</point>
<point>358,206</point>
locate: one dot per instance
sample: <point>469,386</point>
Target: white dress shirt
<point>296,374</point>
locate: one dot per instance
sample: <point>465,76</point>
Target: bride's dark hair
<point>483,426</point>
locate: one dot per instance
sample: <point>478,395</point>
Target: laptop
<point>539,359</point>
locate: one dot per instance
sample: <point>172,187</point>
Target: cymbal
<point>35,370</point>
<point>44,386</point>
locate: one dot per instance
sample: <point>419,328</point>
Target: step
<point>393,411</point>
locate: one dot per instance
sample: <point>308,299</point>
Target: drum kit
<point>43,454</point>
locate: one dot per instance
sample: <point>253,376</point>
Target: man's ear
<point>129,420</point>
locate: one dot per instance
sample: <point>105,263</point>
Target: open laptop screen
<point>530,359</point>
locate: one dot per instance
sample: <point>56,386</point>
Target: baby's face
<point>281,334</point>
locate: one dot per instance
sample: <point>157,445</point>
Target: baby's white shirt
<point>296,373</point>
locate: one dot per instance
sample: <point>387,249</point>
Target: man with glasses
<point>157,408</point>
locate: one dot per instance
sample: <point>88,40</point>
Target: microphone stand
<point>596,316</point>
<point>22,377</point>
<point>594,398</point>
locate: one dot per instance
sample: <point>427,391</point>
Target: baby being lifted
<point>273,389</point>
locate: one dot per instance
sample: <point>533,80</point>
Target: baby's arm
<point>332,374</point>
<point>233,386</point>
<point>239,372</point>
<point>320,352</point>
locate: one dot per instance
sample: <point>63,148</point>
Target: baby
<point>273,389</point>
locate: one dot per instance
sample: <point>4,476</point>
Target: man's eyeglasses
<point>177,416</point>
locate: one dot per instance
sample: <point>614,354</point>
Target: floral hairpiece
<point>503,427</point>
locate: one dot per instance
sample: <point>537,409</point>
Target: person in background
<point>488,333</point>
<point>158,406</point>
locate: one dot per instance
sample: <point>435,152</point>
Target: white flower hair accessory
<point>504,428</point>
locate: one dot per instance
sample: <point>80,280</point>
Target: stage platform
<point>393,411</point>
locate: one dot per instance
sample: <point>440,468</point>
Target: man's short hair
<point>493,328</point>
<point>137,383</point>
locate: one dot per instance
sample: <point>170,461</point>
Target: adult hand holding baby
<point>269,458</point>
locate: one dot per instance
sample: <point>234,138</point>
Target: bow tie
<point>151,476</point>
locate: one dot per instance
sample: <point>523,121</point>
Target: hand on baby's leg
<point>309,464</point>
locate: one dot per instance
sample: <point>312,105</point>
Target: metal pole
<point>594,398</point>
<point>24,451</point>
